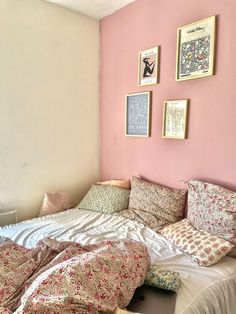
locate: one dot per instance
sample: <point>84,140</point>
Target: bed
<point>203,290</point>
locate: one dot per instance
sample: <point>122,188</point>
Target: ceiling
<point>94,8</point>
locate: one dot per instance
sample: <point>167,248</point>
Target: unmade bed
<point>203,290</point>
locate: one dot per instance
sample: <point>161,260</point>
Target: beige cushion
<point>204,248</point>
<point>124,184</point>
<point>154,205</point>
<point>55,202</point>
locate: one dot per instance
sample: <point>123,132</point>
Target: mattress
<point>204,289</point>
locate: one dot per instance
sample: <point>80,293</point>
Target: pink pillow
<point>124,184</point>
<point>204,248</point>
<point>55,202</point>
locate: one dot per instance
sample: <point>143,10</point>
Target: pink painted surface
<point>209,152</point>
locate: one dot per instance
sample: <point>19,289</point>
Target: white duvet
<point>204,290</point>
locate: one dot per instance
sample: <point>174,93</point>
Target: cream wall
<point>49,68</point>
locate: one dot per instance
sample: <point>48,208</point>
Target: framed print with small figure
<point>148,67</point>
<point>195,49</point>
<point>138,112</point>
<point>175,119</point>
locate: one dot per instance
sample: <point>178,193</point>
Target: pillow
<point>55,202</point>
<point>204,248</point>
<point>124,184</point>
<point>154,205</point>
<point>212,208</point>
<point>105,198</point>
<point>160,277</point>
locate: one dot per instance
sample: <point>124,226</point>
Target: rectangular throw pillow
<point>105,198</point>
<point>212,208</point>
<point>204,248</point>
<point>124,184</point>
<point>154,205</point>
<point>54,202</point>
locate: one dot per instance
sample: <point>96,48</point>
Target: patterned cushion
<point>212,208</point>
<point>105,198</point>
<point>154,205</point>
<point>160,277</point>
<point>205,248</point>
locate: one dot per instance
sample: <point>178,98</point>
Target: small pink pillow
<point>55,202</point>
<point>204,248</point>
<point>124,184</point>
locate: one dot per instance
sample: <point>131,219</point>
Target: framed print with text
<point>195,49</point>
<point>175,119</point>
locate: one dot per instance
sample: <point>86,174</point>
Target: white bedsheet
<point>198,283</point>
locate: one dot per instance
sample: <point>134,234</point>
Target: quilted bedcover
<point>67,277</point>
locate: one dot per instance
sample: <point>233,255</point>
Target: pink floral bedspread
<point>66,277</point>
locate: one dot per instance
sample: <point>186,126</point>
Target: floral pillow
<point>105,198</point>
<point>204,248</point>
<point>154,205</point>
<point>160,277</point>
<point>212,208</point>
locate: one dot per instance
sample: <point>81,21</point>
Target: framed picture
<point>148,67</point>
<point>175,119</point>
<point>138,111</point>
<point>195,49</point>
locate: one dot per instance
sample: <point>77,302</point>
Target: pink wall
<point>210,150</point>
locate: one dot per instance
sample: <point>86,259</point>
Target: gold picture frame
<point>175,114</point>
<point>148,66</point>
<point>196,49</point>
<point>138,114</point>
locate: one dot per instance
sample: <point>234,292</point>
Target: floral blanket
<point>66,277</point>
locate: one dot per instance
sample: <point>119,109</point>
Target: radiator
<point>7,218</point>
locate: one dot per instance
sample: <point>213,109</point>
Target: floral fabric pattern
<point>105,198</point>
<point>204,248</point>
<point>212,208</point>
<point>27,263</point>
<point>79,279</point>
<point>154,205</point>
<point>163,278</point>
<point>12,257</point>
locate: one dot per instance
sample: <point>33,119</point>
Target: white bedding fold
<point>216,299</point>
